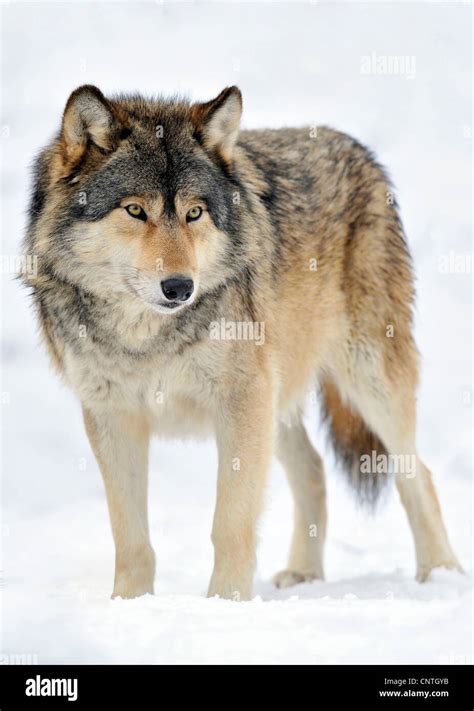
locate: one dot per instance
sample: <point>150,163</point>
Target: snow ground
<point>295,63</point>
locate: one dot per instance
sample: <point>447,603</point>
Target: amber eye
<point>193,214</point>
<point>136,211</point>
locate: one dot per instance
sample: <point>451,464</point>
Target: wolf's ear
<point>217,122</point>
<point>88,118</point>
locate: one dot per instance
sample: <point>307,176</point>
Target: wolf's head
<point>138,197</point>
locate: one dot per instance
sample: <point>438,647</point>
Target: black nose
<point>177,288</point>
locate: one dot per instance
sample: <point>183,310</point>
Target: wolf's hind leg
<point>415,486</point>
<point>387,405</point>
<point>305,473</point>
<point>418,496</point>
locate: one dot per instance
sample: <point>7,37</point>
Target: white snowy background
<point>296,63</point>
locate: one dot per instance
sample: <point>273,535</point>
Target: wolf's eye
<point>193,214</point>
<point>136,211</point>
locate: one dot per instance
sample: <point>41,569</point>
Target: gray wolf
<point>162,234</point>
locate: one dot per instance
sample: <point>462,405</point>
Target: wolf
<point>154,219</point>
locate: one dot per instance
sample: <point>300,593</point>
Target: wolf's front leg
<point>244,433</point>
<point>120,443</point>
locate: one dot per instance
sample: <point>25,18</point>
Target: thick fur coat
<point>197,279</point>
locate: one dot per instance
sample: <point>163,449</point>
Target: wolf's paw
<point>236,588</point>
<point>288,578</point>
<point>423,572</point>
<point>127,590</point>
<point>135,578</point>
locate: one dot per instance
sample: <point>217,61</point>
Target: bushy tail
<point>354,444</point>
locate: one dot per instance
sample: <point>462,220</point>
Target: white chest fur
<point>177,393</point>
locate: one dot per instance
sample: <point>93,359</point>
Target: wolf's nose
<point>177,288</point>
